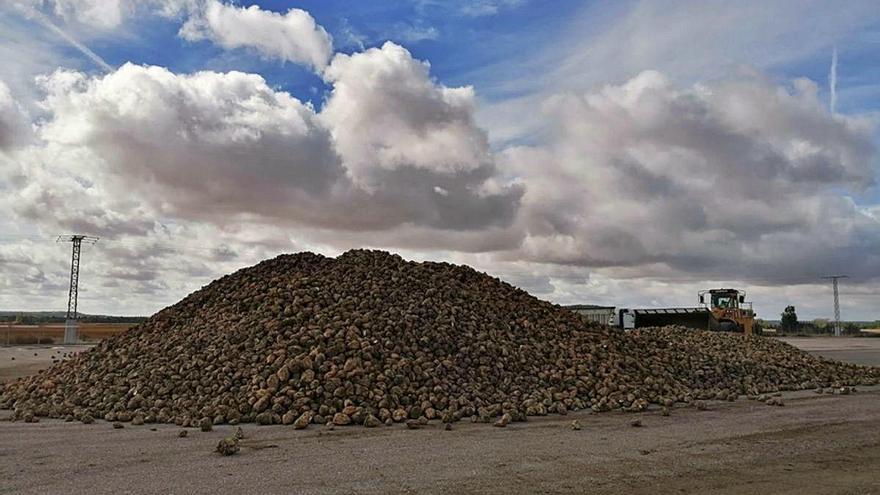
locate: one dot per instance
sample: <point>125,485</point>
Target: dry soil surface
<point>22,360</point>
<point>815,444</point>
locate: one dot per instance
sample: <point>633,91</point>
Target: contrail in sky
<point>32,12</point>
<point>832,79</point>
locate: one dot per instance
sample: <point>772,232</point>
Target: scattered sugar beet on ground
<point>368,338</point>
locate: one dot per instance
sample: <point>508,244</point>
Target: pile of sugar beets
<point>369,338</point>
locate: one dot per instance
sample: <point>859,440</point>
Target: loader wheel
<point>728,326</point>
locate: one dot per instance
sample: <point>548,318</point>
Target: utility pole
<point>834,279</point>
<point>70,324</point>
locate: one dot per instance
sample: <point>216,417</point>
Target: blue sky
<point>595,160</point>
<point>461,40</point>
<point>457,42</point>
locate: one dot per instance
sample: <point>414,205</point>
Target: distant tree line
<point>39,319</point>
<point>790,325</point>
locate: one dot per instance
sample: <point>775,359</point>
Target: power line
<point>834,279</point>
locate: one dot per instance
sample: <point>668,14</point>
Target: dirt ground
<point>815,444</point>
<point>22,360</point>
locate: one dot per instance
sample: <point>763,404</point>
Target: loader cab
<point>730,308</point>
<point>724,300</point>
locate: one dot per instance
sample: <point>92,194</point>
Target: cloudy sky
<point>621,153</point>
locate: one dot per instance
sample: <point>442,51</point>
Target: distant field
<point>12,334</point>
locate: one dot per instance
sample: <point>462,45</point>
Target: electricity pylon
<point>834,279</point>
<point>70,325</point>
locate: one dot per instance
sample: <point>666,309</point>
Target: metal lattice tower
<point>70,325</point>
<point>834,279</point>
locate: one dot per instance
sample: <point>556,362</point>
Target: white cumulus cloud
<point>225,147</point>
<point>386,113</point>
<point>636,192</point>
<point>293,36</point>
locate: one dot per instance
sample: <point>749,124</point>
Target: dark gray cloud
<point>735,178</point>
